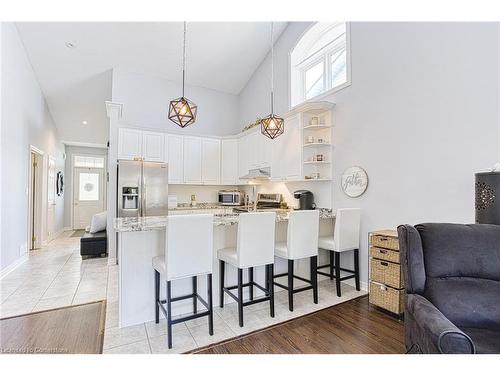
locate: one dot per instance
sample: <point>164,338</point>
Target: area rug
<point>78,233</point>
<point>75,329</point>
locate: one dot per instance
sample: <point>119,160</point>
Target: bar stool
<point>302,242</point>
<point>188,253</point>
<point>345,238</point>
<point>254,248</point>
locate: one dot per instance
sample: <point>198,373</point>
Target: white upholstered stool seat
<point>345,238</point>
<point>228,255</point>
<point>301,243</point>
<point>326,243</point>
<point>159,264</point>
<point>185,256</point>
<point>280,250</point>
<point>254,248</point>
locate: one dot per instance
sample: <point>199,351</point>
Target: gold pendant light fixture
<point>272,126</point>
<point>182,111</point>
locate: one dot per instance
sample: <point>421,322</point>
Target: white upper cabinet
<point>229,162</point>
<point>174,146</point>
<point>129,144</point>
<point>243,155</point>
<point>292,160</point>
<point>153,147</point>
<point>192,160</point>
<point>210,161</point>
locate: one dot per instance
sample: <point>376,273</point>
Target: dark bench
<point>93,243</point>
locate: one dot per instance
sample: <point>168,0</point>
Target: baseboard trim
<point>66,229</point>
<point>363,285</point>
<point>11,267</point>
<point>112,261</point>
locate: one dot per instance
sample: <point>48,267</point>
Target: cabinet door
<point>278,152</point>
<point>129,144</point>
<point>293,149</point>
<point>253,147</point>
<point>229,162</point>
<point>192,160</point>
<point>243,154</point>
<point>153,147</point>
<point>210,161</point>
<point>175,157</point>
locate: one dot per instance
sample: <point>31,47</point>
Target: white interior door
<point>88,195</point>
<point>51,198</point>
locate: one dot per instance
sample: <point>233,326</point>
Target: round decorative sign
<point>354,181</point>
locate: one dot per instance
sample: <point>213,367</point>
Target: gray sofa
<point>452,274</point>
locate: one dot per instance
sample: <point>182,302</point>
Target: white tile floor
<point>56,276</point>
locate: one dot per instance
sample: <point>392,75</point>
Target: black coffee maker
<point>306,199</point>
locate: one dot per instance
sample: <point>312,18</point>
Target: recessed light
<point>84,122</point>
<point>69,45</point>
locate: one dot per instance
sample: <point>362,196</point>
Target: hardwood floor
<point>69,330</point>
<point>350,327</point>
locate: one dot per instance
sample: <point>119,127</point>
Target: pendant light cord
<point>272,69</point>
<point>184,59</point>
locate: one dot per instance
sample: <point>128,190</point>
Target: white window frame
<point>313,60</point>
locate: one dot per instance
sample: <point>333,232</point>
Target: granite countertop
<point>225,218</point>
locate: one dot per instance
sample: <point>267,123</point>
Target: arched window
<point>320,62</point>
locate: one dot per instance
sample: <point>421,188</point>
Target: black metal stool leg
<point>169,314</point>
<point>210,305</point>
<point>250,280</point>
<point>337,273</point>
<point>240,297</point>
<point>222,268</point>
<point>270,268</point>
<point>290,284</point>
<point>314,277</point>
<point>268,281</point>
<point>195,292</point>
<point>332,264</point>
<point>356,268</point>
<point>157,296</point>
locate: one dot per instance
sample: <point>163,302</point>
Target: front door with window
<point>88,195</point>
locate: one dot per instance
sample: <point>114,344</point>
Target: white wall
<point>420,116</point>
<point>25,121</point>
<point>68,176</point>
<point>145,102</point>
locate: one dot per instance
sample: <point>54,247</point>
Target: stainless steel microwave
<point>230,198</point>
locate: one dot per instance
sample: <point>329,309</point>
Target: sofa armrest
<point>436,329</point>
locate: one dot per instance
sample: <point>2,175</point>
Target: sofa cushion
<point>486,341</point>
<point>465,301</point>
<point>458,250</point>
<point>98,222</point>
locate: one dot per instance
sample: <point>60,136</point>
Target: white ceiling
<point>77,81</point>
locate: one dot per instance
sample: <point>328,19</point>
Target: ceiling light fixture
<point>272,126</point>
<point>84,122</point>
<point>182,111</point>
<point>69,45</point>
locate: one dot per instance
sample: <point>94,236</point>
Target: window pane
<point>338,66</point>
<point>314,80</point>
<point>89,162</point>
<point>89,187</point>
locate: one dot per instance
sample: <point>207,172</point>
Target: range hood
<point>258,174</point>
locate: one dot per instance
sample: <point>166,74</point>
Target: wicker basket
<point>386,297</point>
<point>385,242</point>
<point>386,273</point>
<point>384,254</point>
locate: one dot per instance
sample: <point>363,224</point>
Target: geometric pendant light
<point>183,111</point>
<point>272,126</point>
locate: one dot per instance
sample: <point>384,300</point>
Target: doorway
<point>51,198</point>
<point>35,199</point>
<point>88,189</point>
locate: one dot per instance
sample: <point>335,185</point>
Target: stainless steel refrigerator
<point>142,188</point>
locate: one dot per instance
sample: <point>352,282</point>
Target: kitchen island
<point>141,239</point>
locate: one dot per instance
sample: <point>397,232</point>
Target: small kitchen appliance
<point>230,198</point>
<point>306,199</point>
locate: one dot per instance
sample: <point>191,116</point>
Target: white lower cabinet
<point>192,160</point>
<point>229,162</point>
<point>210,161</point>
<point>174,150</point>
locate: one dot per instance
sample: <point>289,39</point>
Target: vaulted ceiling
<point>76,80</point>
